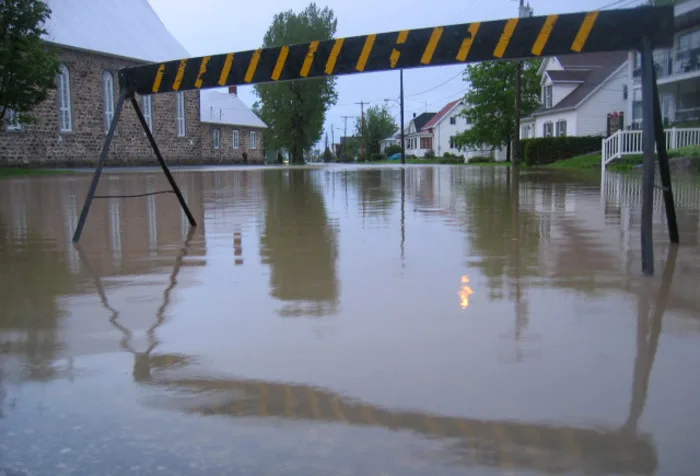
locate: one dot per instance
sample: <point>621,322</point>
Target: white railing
<point>624,143</point>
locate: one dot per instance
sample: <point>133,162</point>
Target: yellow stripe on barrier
<point>202,70</point>
<point>543,37</point>
<point>179,75</point>
<point>254,60</point>
<point>309,60</point>
<point>396,54</point>
<point>333,57</point>
<point>504,41</point>
<point>226,69</point>
<point>281,60</point>
<point>432,45</point>
<point>159,78</point>
<point>584,31</point>
<point>366,50</point>
<point>468,41</point>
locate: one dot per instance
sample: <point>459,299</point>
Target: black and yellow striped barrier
<point>464,43</point>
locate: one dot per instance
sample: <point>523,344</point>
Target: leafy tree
<point>295,110</point>
<point>491,102</point>
<point>28,66</point>
<point>379,124</point>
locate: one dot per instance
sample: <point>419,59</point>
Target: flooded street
<point>347,321</point>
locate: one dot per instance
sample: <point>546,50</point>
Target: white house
<point>677,72</point>
<point>578,93</point>
<point>418,141</point>
<point>389,141</point>
<point>446,125</point>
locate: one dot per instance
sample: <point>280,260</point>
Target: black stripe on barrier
<point>463,43</point>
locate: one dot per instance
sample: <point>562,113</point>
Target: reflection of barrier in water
<point>517,38</point>
<point>477,442</point>
<point>143,361</point>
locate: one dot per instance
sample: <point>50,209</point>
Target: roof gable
<point>442,113</point>
<point>420,120</point>
<point>126,28</point>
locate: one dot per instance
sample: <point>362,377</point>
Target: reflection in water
<point>401,365</point>
<point>299,244</point>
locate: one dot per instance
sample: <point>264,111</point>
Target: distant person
<point>245,157</point>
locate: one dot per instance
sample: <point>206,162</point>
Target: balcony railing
<point>666,64</point>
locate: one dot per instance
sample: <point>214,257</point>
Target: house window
<point>253,141</point>
<point>625,92</point>
<point>147,106</point>
<point>108,94</point>
<point>547,129</point>
<point>426,142</point>
<point>547,96</point>
<point>236,139</point>
<point>636,111</point>
<point>216,137</point>
<point>561,128</point>
<point>524,132</point>
<point>65,119</point>
<point>180,114</point>
<point>13,123</point>
<point>453,120</point>
<point>453,143</point>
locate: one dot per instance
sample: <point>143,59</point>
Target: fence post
<point>674,139</point>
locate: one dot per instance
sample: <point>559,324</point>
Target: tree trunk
<point>508,151</point>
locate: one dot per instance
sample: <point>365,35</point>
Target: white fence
<point>624,143</point>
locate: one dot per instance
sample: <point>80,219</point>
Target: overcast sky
<point>219,26</point>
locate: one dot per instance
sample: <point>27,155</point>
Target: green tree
<point>28,66</point>
<point>491,101</point>
<point>296,110</point>
<point>379,124</point>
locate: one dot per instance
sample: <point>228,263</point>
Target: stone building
<point>94,40</point>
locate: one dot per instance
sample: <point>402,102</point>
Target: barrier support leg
<point>648,141</point>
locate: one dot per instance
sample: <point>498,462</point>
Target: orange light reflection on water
<point>464,292</point>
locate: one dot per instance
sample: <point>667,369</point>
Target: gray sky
<point>220,26</point>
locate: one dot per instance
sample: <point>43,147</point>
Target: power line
<point>435,87</point>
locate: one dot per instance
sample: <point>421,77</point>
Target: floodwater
<point>347,321</point>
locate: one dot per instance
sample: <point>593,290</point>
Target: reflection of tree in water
<point>32,276</point>
<point>504,239</point>
<point>299,244</point>
<point>377,191</point>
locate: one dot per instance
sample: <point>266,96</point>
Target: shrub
<point>480,160</point>
<point>392,149</point>
<point>376,157</point>
<point>454,160</point>
<point>546,150</point>
<point>690,151</point>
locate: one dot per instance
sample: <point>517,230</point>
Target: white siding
<point>444,130</point>
<point>569,116</point>
<point>561,90</point>
<point>593,113</point>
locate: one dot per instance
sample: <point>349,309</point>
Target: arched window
<point>108,93</point>
<point>147,106</point>
<point>65,120</point>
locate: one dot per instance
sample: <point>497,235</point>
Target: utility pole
<point>345,131</point>
<point>515,150</point>
<point>403,141</point>
<point>332,139</point>
<point>362,129</point>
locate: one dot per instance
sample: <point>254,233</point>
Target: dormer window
<point>547,95</point>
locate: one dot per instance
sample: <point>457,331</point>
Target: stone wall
<point>226,153</point>
<point>43,145</point>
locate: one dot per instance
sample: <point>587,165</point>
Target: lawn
<point>7,172</point>
<point>629,162</point>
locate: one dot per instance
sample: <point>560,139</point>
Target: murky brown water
<point>432,321</point>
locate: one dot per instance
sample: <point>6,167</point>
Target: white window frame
<point>253,144</point>
<point>548,129</point>
<point>108,94</point>
<point>216,137</point>
<point>561,131</point>
<point>65,116</point>
<point>547,94</point>
<point>147,107</point>
<point>12,118</point>
<point>453,120</point>
<point>180,116</point>
<point>236,139</point>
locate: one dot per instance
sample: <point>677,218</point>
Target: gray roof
<point>422,119</point>
<point>599,65</point>
<point>217,107</point>
<point>126,28</point>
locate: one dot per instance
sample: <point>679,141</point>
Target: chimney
<point>233,90</point>
<point>414,114</point>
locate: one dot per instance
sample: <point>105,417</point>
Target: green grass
<point>629,162</point>
<point>589,161</point>
<point>7,172</point>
